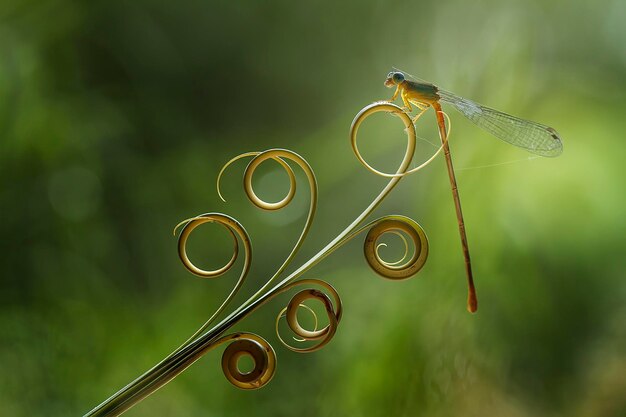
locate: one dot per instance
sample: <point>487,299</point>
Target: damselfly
<point>533,137</point>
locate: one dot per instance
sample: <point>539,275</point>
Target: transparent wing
<point>534,137</point>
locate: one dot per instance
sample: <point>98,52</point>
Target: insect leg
<point>395,94</point>
<point>422,106</point>
<point>407,103</point>
<point>422,110</point>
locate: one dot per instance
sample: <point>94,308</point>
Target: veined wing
<point>534,137</point>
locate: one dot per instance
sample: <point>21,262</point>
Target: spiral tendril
<point>236,230</point>
<point>280,155</point>
<point>333,313</point>
<point>370,168</point>
<point>400,269</point>
<point>247,181</point>
<point>257,348</point>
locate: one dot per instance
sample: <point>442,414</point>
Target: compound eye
<point>398,77</point>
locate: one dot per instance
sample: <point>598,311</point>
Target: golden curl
<point>260,157</point>
<point>233,227</point>
<point>257,348</point>
<point>236,230</point>
<point>280,156</point>
<point>247,181</point>
<point>410,128</point>
<point>333,312</point>
<point>396,270</point>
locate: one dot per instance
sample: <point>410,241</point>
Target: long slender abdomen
<point>472,302</point>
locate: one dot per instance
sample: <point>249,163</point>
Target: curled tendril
<point>259,158</point>
<point>255,347</point>
<point>249,172</point>
<point>280,156</point>
<point>333,312</point>
<point>236,230</point>
<point>400,269</point>
<point>232,226</point>
<point>393,109</point>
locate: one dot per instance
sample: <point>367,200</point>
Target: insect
<point>533,137</point>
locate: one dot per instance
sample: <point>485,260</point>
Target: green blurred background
<point>116,116</point>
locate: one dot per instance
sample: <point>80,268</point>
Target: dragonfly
<point>534,137</point>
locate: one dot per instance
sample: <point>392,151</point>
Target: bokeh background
<point>116,116</point>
